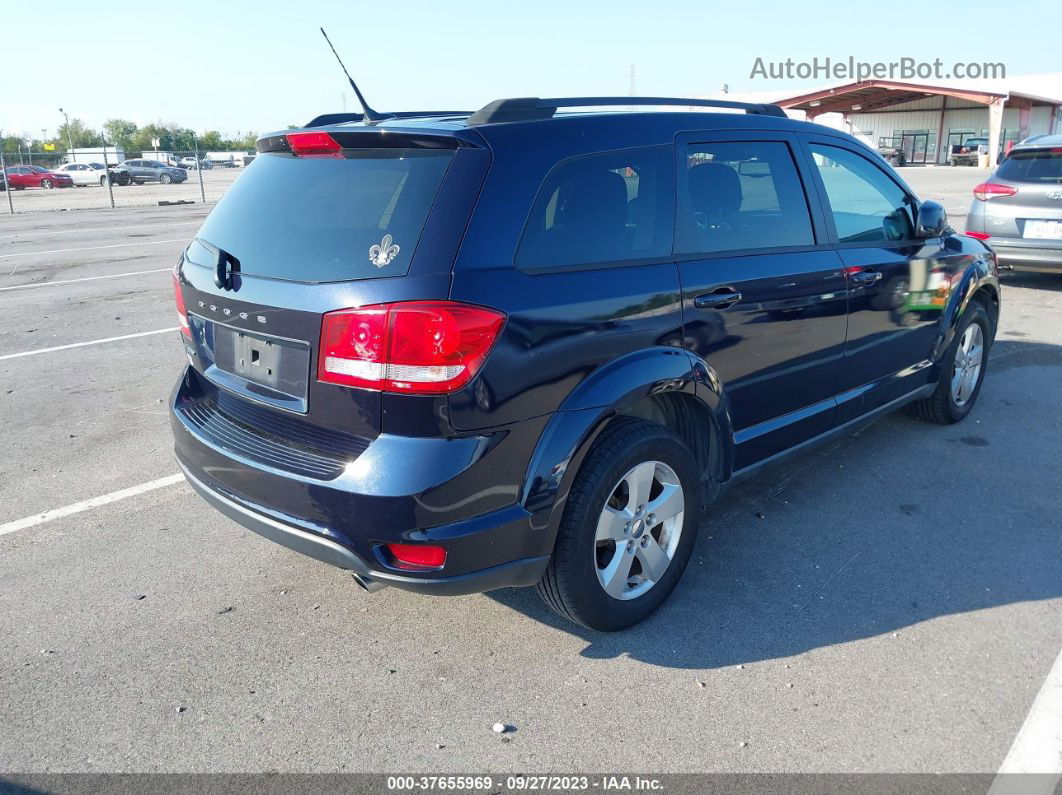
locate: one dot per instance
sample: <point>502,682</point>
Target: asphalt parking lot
<point>890,602</point>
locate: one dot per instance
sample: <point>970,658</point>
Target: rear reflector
<point>418,554</point>
<point>182,313</point>
<point>313,143</point>
<point>988,190</point>
<point>978,235</point>
<point>416,347</point>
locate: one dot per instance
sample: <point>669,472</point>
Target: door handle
<point>866,277</point>
<point>718,299</point>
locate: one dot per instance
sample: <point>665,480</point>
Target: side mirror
<point>932,220</point>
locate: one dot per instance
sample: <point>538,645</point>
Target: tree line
<point>126,135</point>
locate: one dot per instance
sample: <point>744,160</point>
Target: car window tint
<point>606,207</point>
<point>741,195</point>
<point>324,219</point>
<point>867,205</point>
<point>1036,165</point>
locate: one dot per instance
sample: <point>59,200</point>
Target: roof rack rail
<point>532,108</point>
<point>340,118</point>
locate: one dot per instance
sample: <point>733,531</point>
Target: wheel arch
<point>668,386</point>
<point>977,282</point>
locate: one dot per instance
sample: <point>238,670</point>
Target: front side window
<point>867,205</point>
<point>606,207</point>
<point>741,195</point>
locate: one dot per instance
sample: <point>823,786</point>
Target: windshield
<point>1033,165</point>
<point>326,219</point>
<point>38,170</point>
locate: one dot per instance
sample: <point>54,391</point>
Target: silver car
<point>1018,210</point>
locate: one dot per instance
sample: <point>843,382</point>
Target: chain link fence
<point>100,179</point>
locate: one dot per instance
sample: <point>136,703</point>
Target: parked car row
<point>128,172</point>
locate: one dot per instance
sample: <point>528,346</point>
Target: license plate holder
<point>264,367</point>
<point>256,360</point>
<point>1042,230</point>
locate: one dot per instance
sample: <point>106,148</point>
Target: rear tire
<point>962,370</point>
<point>605,540</point>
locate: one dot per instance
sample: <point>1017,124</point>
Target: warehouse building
<point>927,121</point>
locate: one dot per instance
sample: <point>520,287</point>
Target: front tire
<point>628,528</point>
<point>165,179</point>
<point>963,370</point>
<point>46,184</point>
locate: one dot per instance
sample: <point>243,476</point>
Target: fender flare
<point>606,393</point>
<point>977,274</point>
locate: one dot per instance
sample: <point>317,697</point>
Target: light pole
<point>69,138</point>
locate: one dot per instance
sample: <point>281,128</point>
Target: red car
<point>19,177</point>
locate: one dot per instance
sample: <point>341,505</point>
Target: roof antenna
<point>368,112</point>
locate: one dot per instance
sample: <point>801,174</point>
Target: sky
<point>236,66</point>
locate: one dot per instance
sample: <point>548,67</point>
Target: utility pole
<point>107,172</point>
<point>630,89</point>
<point>199,168</point>
<point>69,137</point>
<point>7,185</point>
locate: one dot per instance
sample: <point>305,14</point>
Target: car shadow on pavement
<point>897,524</point>
<point>1034,280</point>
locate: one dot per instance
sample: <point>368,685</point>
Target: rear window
<point>1036,165</point>
<point>317,219</point>
<point>606,207</point>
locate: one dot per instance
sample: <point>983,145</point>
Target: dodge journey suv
<point>453,352</point>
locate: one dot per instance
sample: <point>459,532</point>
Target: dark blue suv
<point>453,352</point>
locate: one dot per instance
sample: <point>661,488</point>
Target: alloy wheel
<point>638,530</point>
<point>967,366</point>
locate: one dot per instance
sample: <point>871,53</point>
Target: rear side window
<point>867,205</point>
<point>1035,165</point>
<point>607,207</point>
<point>741,195</point>
<point>317,219</point>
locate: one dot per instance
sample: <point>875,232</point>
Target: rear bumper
<point>452,492</point>
<point>1020,254</point>
<point>255,518</point>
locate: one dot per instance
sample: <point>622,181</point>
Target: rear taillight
<point>978,235</point>
<point>182,313</point>
<point>314,143</point>
<point>416,347</point>
<point>990,190</point>
<point>417,555</point>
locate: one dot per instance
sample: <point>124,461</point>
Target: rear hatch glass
<point>1033,165</point>
<point>325,219</point>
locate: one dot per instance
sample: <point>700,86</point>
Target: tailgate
<point>296,237</point>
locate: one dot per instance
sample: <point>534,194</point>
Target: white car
<point>84,173</point>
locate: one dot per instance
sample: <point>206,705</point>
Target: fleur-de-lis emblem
<point>384,253</point>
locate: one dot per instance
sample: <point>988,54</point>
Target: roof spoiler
<point>342,118</point>
<point>532,108</point>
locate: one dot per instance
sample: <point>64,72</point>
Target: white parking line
<point>84,505</point>
<point>89,248</point>
<point>1038,746</point>
<point>85,279</point>
<point>89,342</point>
<point>89,231</point>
